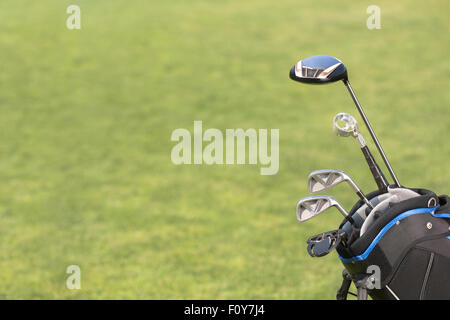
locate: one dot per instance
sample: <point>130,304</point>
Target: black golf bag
<point>403,254</point>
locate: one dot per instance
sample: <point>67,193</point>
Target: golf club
<point>320,180</point>
<point>345,125</point>
<point>310,207</point>
<point>321,69</point>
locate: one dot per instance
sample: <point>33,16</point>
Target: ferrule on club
<point>360,139</point>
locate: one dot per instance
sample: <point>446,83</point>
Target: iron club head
<point>310,207</point>
<point>321,180</point>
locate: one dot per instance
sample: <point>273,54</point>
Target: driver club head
<point>312,206</point>
<point>318,69</point>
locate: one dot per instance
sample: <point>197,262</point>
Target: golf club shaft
<point>378,175</point>
<point>360,194</point>
<point>364,198</point>
<point>345,213</point>
<point>372,133</point>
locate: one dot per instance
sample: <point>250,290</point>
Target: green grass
<point>86,119</point>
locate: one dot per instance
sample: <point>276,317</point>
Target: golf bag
<point>403,254</point>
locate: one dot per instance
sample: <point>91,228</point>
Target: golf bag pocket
<point>410,244</point>
<point>424,273</point>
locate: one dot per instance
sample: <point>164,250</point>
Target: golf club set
<point>404,233</point>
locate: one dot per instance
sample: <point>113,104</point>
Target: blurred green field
<point>87,115</point>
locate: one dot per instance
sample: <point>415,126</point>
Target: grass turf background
<point>85,126</point>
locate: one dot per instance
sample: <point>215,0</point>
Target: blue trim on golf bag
<point>400,217</point>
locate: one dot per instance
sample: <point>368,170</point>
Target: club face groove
<point>310,207</point>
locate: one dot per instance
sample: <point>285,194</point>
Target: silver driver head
<point>310,207</point>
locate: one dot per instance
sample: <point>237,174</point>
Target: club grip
<point>379,177</point>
